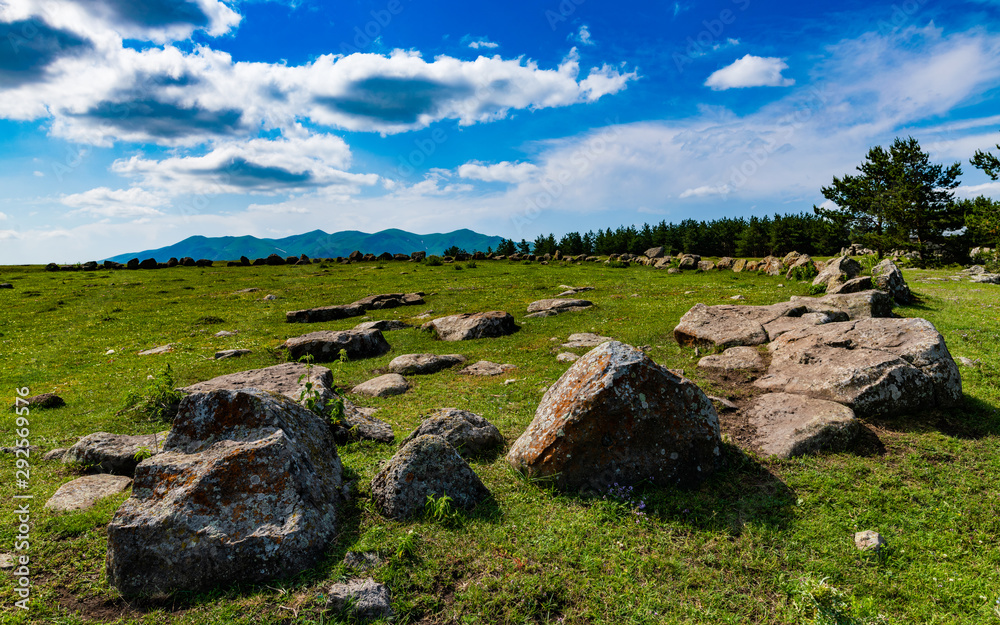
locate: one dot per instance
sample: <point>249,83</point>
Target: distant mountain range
<point>316,244</point>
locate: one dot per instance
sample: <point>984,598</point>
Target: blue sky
<point>132,124</point>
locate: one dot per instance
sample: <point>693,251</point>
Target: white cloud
<point>750,71</point>
<point>504,171</point>
<point>118,203</point>
<point>482,43</point>
<point>989,189</point>
<point>3,216</point>
<point>582,36</point>
<point>704,191</point>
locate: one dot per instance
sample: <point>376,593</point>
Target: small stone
<point>223,333</point>
<point>162,349</point>
<point>869,540</point>
<point>966,362</point>
<point>567,357</point>
<point>362,561</point>
<point>46,400</point>
<point>6,285</point>
<point>109,352</point>
<point>487,368</point>
<point>269,298</point>
<point>7,561</point>
<point>83,492</point>
<point>365,600</point>
<point>252,289</point>
<point>55,455</point>
<point>737,298</point>
<point>383,386</point>
<point>231,353</point>
<point>585,340</point>
<point>722,401</point>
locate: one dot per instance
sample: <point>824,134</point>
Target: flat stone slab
<point>567,357</point>
<point>231,353</point>
<point>422,364</point>
<point>286,379</point>
<point>585,340</point>
<point>559,305</point>
<point>487,368</point>
<point>385,325</point>
<point>872,303</point>
<point>729,325</point>
<point>383,386</point>
<point>781,325</point>
<point>324,313</point>
<point>83,492</point>
<point>794,425</point>
<point>733,359</point>
<point>162,349</point>
<point>113,453</point>
<point>325,346</point>
<point>468,326</point>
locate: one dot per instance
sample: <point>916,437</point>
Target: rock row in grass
<point>355,309</point>
<point>617,417</point>
<point>325,346</point>
<point>468,326</point>
<point>555,306</point>
<point>247,489</point>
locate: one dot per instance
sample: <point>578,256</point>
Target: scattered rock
<point>887,277</point>
<point>231,353</point>
<point>7,561</point>
<point>383,386</point>
<point>781,325</point>
<point>585,340</point>
<point>83,492</point>
<point>874,366</point>
<point>654,252</point>
<point>854,285</point>
<point>221,334</point>
<point>362,600</point>
<point>803,263</point>
<point>967,362</point>
<point>362,561</point>
<point>324,313</point>
<point>46,400</point>
<point>470,434</point>
<point>558,305</point>
<point>857,305</point>
<point>869,540</point>
<point>162,349</point>
<point>733,359</point>
<point>473,326</point>
<point>427,465</point>
<point>6,285</point>
<point>487,368</point>
<point>567,357</point>
<point>839,269</point>
<point>422,364</point>
<point>114,453</point>
<point>729,325</point>
<point>390,300</point>
<point>55,455</point>
<point>252,289</point>
<point>738,298</point>
<point>325,345</point>
<point>794,425</point>
<point>359,425</point>
<point>722,402</point>
<point>247,489</point>
<point>986,278</point>
<point>386,325</point>
<point>270,298</point>
<point>617,417</point>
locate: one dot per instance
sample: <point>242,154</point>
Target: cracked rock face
<point>617,416</point>
<point>875,366</point>
<point>246,489</point>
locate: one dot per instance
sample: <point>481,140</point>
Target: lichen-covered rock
<point>772,266</point>
<point>487,368</point>
<point>887,277</point>
<point>874,366</point>
<point>84,492</point>
<point>362,600</point>
<point>739,265</point>
<point>46,400</point>
<point>617,416</point>
<point>654,252</point>
<point>689,261</point>
<point>423,364</point>
<point>390,300</point>
<point>729,325</point>
<point>734,359</point>
<point>427,465</point>
<point>726,262</point>
<point>325,346</point>
<point>839,269</point>
<point>857,305</point>
<point>383,386</point>
<point>358,425</point>
<point>246,489</point>
<point>468,326</point>
<point>113,453</point>
<point>470,434</point>
<point>794,425</point>
<point>288,379</point>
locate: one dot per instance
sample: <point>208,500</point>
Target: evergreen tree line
<point>738,237</point>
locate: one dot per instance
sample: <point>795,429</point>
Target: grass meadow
<point>762,541</point>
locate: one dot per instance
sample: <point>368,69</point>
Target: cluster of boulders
<point>354,309</point>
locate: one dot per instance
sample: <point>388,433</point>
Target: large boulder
<point>689,261</point>
<point>113,453</point>
<point>840,269</point>
<point>794,425</point>
<point>875,366</point>
<point>855,305</point>
<point>729,325</point>
<point>247,489</point>
<point>423,364</point>
<point>617,417</point>
<point>887,277</point>
<point>802,265</point>
<point>654,252</point>
<point>473,326</point>
<point>854,285</point>
<point>426,466</point>
<point>470,434</point>
<point>772,266</point>
<point>325,345</point>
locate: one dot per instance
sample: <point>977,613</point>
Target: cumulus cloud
<point>504,171</point>
<point>750,71</point>
<point>483,43</point>
<point>582,36</point>
<point>117,203</point>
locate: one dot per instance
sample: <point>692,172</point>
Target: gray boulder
<point>113,453</point>
<point>840,269</point>
<point>729,325</point>
<point>385,325</point>
<point>473,326</point>
<point>324,313</point>
<point>986,278</point>
<point>383,386</point>
<point>586,340</point>
<point>734,359</point>
<point>887,277</point>
<point>325,346</point>
<point>358,425</point>
<point>794,425</point>
<point>874,366</point>
<point>247,489</point>
<point>654,252</point>
<point>558,305</point>
<point>854,285</point>
<point>470,434</point>
<point>487,368</point>
<point>83,492</point>
<point>803,263</point>
<point>390,300</point>
<point>857,305</point>
<point>361,600</point>
<point>618,417</point>
<point>422,364</point>
<point>426,466</point>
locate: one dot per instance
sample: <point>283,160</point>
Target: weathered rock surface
<point>558,305</point>
<point>83,492</point>
<point>324,313</point>
<point>359,425</point>
<point>231,353</point>
<point>423,364</point>
<point>325,345</point>
<point>729,325</point>
<point>986,278</point>
<point>857,305</point>
<point>874,366</point>
<point>733,359</point>
<point>585,340</point>
<point>803,263</point>
<point>361,600</point>
<point>854,285</point>
<point>473,326</point>
<point>385,325</point>
<point>113,453</point>
<point>383,386</point>
<point>390,300</point>
<point>616,416</point>
<point>654,252</point>
<point>427,465</point>
<point>487,368</point>
<point>794,425</point>
<point>567,357</point>
<point>288,379</point>
<point>868,540</point>
<point>839,269</point>
<point>470,434</point>
<point>162,349</point>
<point>246,489</point>
<point>363,561</point>
<point>781,325</point>
<point>46,400</point>
<point>887,277</point>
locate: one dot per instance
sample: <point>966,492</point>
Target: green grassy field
<point>762,541</point>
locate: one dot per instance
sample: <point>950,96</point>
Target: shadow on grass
<point>974,419</point>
